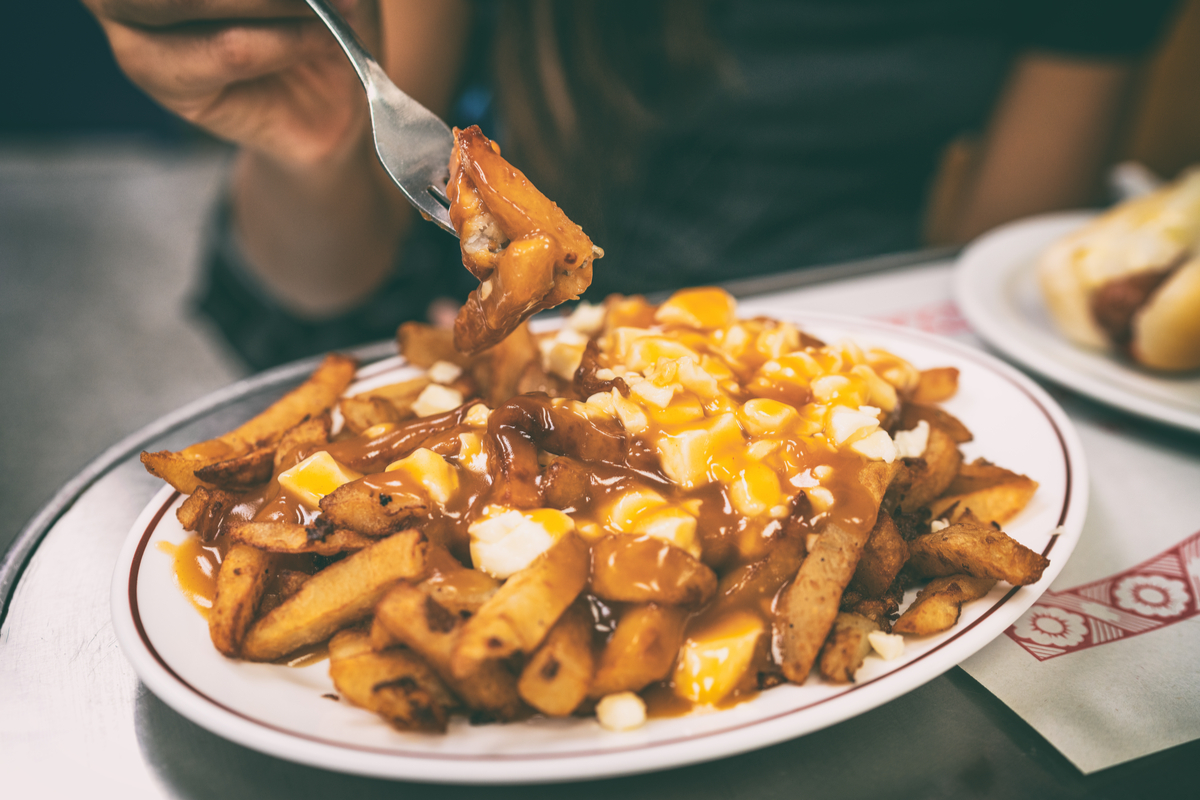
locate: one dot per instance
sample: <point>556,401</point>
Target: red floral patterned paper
<point>1152,595</point>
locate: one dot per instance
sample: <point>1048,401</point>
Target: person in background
<point>694,141</point>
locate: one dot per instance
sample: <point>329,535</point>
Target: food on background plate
<point>653,508</point>
<point>526,254</point>
<point>1130,280</point>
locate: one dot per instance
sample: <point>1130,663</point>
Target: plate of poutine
<point>641,537</point>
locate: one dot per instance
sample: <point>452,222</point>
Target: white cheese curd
<point>938,525</point>
<point>444,372</point>
<point>506,541</point>
<point>887,645</point>
<point>912,444</point>
<point>587,319</point>
<point>436,399</point>
<point>622,711</point>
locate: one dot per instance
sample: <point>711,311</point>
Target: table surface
<point>74,718</point>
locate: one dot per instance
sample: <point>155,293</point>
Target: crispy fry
<point>300,439</point>
<point>241,473</point>
<point>912,413</point>
<point>419,622</point>
<point>201,513</point>
<point>517,618</point>
<point>395,683</point>
<point>641,650</point>
<point>240,584</point>
<point>524,250</point>
<point>993,493</point>
<point>933,472</point>
<point>361,506</point>
<point>969,546</point>
<point>309,399</point>
<point>936,385</point>
<point>285,537</point>
<point>846,647</point>
<point>557,678</point>
<point>506,364</point>
<point>644,569</point>
<point>809,606</point>
<point>424,345</point>
<point>460,590</point>
<point>361,413</point>
<point>882,559</point>
<point>338,595</point>
<point>938,605</point>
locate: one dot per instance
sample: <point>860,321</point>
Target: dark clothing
<point>816,145</point>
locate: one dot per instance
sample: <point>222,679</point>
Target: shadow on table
<point>950,739</point>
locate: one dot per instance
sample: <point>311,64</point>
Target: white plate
<point>996,287</point>
<point>282,711</point>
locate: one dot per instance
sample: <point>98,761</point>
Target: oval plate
<point>288,712</point>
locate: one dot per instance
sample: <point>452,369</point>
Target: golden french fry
<point>936,385</point>
<point>993,493</point>
<point>285,537</point>
<point>882,558</point>
<point>395,683</point>
<point>809,606</point>
<point>240,584</point>
<point>518,616</point>
<point>846,647</point>
<point>241,473</point>
<point>424,345</point>
<point>642,649</point>
<point>937,468</point>
<point>417,620</point>
<point>361,413</point>
<point>979,550</point>
<point>557,678</point>
<point>360,506</point>
<point>309,399</point>
<point>913,413</point>
<point>938,605</point>
<point>339,595</point>
<point>459,590</point>
<point>203,510</point>
<point>645,569</point>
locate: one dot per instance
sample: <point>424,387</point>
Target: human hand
<point>264,74</point>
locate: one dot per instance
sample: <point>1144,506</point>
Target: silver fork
<point>412,143</point>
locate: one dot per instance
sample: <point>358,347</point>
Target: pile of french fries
<point>705,508</point>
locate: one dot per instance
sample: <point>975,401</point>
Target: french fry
<point>308,435</point>
<point>240,584</point>
<point>642,649</point>
<point>281,584</point>
<point>557,678</point>
<point>936,385</point>
<point>938,605</point>
<point>241,473</point>
<point>645,569</point>
<point>883,556</point>
<point>846,647</point>
<point>361,413</point>
<point>395,683</point>
<point>969,546</point>
<point>337,596</point>
<point>912,413</point>
<point>937,468</point>
<point>993,493</point>
<point>203,510</point>
<point>809,606</point>
<point>501,367</point>
<point>285,537</point>
<point>416,619</point>
<point>459,590</point>
<point>518,616</point>
<point>424,345</point>
<point>309,399</point>
<point>360,506</point>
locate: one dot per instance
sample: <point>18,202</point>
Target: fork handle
<point>364,63</point>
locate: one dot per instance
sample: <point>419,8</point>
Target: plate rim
<point>975,271</point>
<point>510,768</point>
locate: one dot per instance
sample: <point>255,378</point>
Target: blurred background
<point>104,199</point>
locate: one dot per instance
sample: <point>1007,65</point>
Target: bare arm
<point>320,221</point>
<point>1050,138</point>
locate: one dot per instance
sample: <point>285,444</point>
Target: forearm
<point>1050,139</point>
<point>319,237</point>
